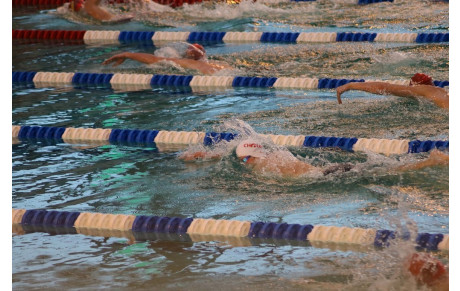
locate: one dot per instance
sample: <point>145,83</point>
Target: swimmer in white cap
<point>260,158</point>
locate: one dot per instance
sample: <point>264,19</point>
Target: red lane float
<point>57,3</point>
<point>49,34</point>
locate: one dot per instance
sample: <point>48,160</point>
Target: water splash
<point>387,269</point>
<point>344,13</point>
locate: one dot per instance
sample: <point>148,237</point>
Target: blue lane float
<point>417,146</point>
<point>206,37</point>
<point>41,132</point>
<point>355,36</point>
<point>147,137</point>
<point>240,81</point>
<point>170,80</point>
<point>89,79</point>
<point>133,136</point>
<point>228,228</point>
<point>343,143</point>
<point>286,37</point>
<point>432,37</point>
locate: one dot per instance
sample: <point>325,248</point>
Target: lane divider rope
<point>117,37</point>
<point>148,137</point>
<point>232,228</point>
<point>146,81</point>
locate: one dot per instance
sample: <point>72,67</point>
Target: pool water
<point>122,179</point>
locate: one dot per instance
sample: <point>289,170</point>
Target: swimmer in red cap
<point>428,271</point>
<point>421,85</point>
<point>260,158</point>
<point>194,59</point>
<point>195,52</point>
<point>92,8</point>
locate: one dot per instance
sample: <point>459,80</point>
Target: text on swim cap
<point>252,145</point>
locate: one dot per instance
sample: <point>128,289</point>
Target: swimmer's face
<point>248,159</point>
<point>195,52</point>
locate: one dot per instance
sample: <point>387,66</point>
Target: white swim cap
<point>250,147</point>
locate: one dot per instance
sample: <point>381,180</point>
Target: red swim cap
<point>195,51</point>
<point>425,268</point>
<point>421,79</point>
<point>76,5</point>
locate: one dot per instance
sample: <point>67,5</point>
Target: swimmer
<point>421,85</point>
<point>259,158</point>
<point>194,59</point>
<point>93,9</point>
<point>428,271</point>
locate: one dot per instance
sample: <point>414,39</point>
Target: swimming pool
<point>126,179</point>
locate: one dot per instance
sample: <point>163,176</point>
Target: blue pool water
<point>121,179</point>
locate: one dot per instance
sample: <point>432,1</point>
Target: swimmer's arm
<point>437,95</point>
<point>436,158</point>
<point>198,156</point>
<point>380,88</point>
<point>140,57</point>
<point>288,169</point>
<point>94,10</point>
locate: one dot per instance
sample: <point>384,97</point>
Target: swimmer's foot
<point>337,168</point>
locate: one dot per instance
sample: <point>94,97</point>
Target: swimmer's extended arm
<point>204,67</point>
<point>198,156</point>
<point>140,57</point>
<point>437,95</point>
<point>94,10</point>
<point>436,158</point>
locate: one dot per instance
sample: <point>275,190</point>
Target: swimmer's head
<point>252,148</point>
<point>421,79</point>
<point>76,5</point>
<point>425,268</point>
<point>195,51</point>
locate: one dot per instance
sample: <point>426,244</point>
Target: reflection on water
<point>181,265</point>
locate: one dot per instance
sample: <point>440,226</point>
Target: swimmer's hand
<point>340,90</point>
<point>117,59</point>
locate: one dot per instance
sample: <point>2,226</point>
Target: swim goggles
<point>246,159</point>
